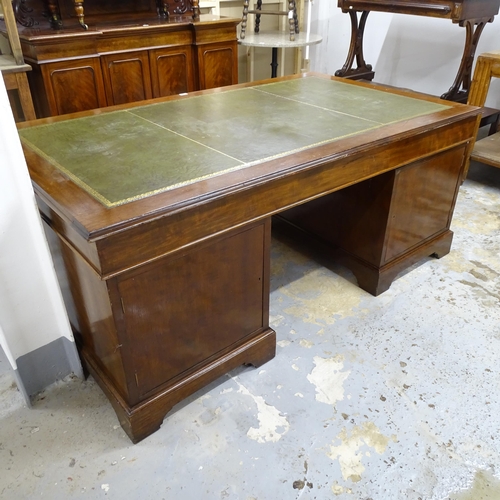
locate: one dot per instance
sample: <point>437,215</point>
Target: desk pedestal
<point>170,290</point>
<point>381,226</point>
<point>154,335</point>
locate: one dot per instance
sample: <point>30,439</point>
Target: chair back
<point>487,67</point>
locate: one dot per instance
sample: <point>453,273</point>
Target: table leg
<point>274,62</point>
<point>363,70</point>
<point>458,92</point>
<point>292,19</point>
<point>464,74</point>
<point>244,19</point>
<point>25,96</point>
<point>257,17</point>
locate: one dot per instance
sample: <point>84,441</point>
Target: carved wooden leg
<point>463,78</point>
<point>196,10</point>
<point>244,19</point>
<point>54,19</point>
<point>363,70</point>
<point>162,8</point>
<point>291,21</point>
<point>257,17</point>
<point>295,17</point>
<point>80,14</point>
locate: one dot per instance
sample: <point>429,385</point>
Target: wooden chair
<point>291,13</point>
<point>486,150</point>
<point>14,68</point>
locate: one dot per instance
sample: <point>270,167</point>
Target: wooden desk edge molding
<point>169,282</point>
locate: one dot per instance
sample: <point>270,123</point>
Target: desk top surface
<point>130,154</point>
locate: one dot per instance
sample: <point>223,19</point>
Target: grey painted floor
<point>394,397</point>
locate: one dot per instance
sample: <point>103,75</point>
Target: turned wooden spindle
<point>80,14</point>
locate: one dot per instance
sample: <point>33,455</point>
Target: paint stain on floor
<point>328,378</point>
<point>321,297</point>
<point>349,453</point>
<point>484,487</point>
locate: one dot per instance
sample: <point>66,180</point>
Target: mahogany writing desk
<point>471,14</point>
<point>163,216</point>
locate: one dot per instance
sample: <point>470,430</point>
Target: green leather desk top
<point>126,155</point>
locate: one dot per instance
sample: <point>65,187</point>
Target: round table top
<point>280,39</point>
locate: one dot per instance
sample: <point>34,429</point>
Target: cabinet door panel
<point>218,66</point>
<point>172,71</point>
<point>74,86</point>
<point>126,77</point>
<point>182,311</point>
<point>423,201</point>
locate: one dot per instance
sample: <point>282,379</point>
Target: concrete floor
<point>394,397</point>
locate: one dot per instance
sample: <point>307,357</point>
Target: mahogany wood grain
<point>90,311</point>
<point>152,336</point>
<point>64,88</point>
<point>172,71</point>
<point>127,60</point>
<point>216,56</point>
<point>372,224</point>
<point>457,11</point>
<point>181,278</point>
<point>127,77</point>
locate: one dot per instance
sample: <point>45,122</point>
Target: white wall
<point>32,313</point>
<point>415,52</point>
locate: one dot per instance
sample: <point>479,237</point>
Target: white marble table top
<point>279,39</point>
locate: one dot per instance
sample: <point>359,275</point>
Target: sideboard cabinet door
<point>217,65</point>
<point>171,71</point>
<point>126,77</point>
<point>69,86</point>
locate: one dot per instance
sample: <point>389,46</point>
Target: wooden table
<point>278,40</point>
<point>471,14</point>
<point>163,216</point>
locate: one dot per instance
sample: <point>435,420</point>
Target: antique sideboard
<point>123,52</point>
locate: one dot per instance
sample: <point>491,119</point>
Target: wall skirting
<point>39,368</point>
